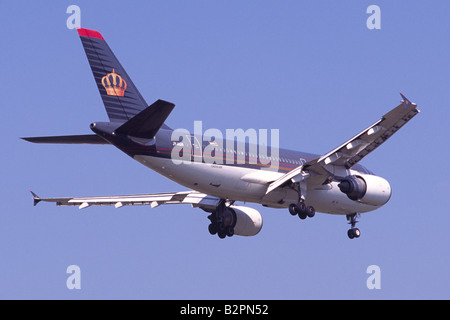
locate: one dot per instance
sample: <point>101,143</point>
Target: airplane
<point>332,183</point>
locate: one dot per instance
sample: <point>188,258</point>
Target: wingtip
<point>36,198</point>
<point>406,102</point>
<point>27,139</point>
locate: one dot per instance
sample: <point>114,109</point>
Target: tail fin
<point>121,98</point>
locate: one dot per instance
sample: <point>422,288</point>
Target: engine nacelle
<point>248,221</point>
<point>367,189</point>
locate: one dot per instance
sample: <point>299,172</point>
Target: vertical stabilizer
<point>121,98</point>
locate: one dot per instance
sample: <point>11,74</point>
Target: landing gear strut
<point>353,232</point>
<point>223,220</point>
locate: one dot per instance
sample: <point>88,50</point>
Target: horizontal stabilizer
<point>147,123</point>
<point>78,139</point>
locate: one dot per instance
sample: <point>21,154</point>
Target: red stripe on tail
<point>89,33</point>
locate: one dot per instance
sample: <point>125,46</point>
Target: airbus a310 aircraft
<point>332,183</point>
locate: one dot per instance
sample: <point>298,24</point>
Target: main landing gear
<point>223,221</point>
<point>353,232</point>
<point>300,208</point>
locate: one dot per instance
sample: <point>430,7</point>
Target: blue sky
<point>309,68</point>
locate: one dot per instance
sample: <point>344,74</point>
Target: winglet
<point>36,198</point>
<point>406,102</point>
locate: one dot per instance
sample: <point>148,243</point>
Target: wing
<point>195,199</point>
<point>352,151</point>
<point>355,149</point>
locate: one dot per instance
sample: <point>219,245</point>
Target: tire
<point>230,231</point>
<point>302,215</point>
<point>350,233</point>
<point>222,234</point>
<point>310,211</point>
<point>353,233</point>
<point>293,209</point>
<point>212,228</point>
<point>301,208</point>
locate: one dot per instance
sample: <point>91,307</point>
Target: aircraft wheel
<point>350,234</point>
<point>353,233</point>
<point>222,234</point>
<point>212,228</point>
<point>229,231</point>
<point>310,211</point>
<point>293,209</point>
<point>300,208</point>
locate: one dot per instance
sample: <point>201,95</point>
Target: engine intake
<point>367,189</point>
<point>354,187</point>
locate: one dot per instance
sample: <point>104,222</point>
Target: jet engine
<point>367,189</point>
<point>248,221</point>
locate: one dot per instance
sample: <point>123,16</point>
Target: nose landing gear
<point>353,232</point>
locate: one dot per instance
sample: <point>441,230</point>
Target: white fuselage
<point>250,185</point>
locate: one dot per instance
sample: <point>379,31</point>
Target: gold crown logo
<point>114,84</point>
